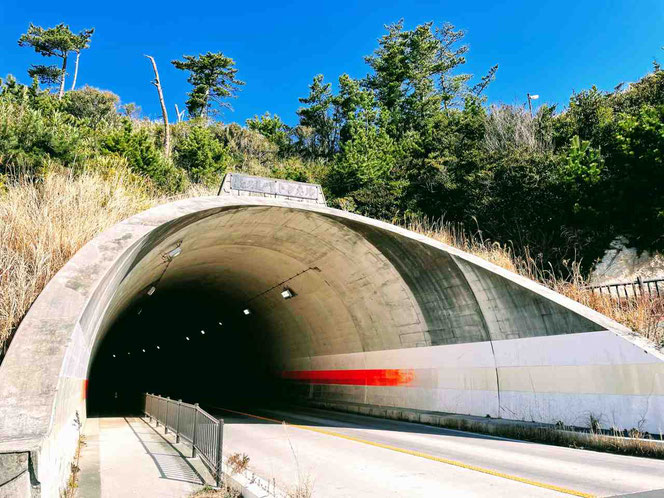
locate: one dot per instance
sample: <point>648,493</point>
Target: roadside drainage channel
<point>469,423</point>
<point>246,482</point>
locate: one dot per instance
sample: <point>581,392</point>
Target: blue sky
<point>548,48</point>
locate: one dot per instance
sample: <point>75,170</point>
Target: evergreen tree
<point>317,117</point>
<point>58,41</point>
<point>213,77</point>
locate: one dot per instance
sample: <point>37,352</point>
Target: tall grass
<point>44,222</point>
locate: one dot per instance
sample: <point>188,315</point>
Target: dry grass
<point>641,315</point>
<point>238,463</point>
<point>43,223</point>
<point>209,492</point>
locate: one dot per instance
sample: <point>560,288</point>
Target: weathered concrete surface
<point>128,458</point>
<point>14,475</point>
<point>406,321</point>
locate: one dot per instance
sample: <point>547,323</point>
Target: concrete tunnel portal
<point>325,307</point>
<point>202,314</point>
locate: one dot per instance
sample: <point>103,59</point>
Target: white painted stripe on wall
<point>547,379</point>
<point>620,411</point>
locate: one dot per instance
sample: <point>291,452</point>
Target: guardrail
<point>628,290</point>
<point>190,423</point>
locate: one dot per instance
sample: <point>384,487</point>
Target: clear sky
<point>548,48</point>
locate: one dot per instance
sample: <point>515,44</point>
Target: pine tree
<point>212,76</point>
<point>58,41</point>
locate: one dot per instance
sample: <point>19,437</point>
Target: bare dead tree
<point>73,83</point>
<point>179,113</point>
<point>157,83</point>
<point>80,42</point>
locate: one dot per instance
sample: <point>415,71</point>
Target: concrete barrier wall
<point>563,378</point>
<point>382,316</point>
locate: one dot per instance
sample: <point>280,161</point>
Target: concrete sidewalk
<point>125,457</point>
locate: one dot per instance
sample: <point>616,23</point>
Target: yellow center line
<point>447,461</point>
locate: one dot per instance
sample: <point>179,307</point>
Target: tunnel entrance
<point>184,343</point>
<point>378,318</point>
<point>313,307</point>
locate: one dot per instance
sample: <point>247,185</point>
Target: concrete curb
<point>469,423</point>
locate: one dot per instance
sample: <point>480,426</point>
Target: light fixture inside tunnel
<point>186,337</point>
<point>246,311</point>
<point>158,347</point>
<point>144,350</point>
<point>287,293</point>
<point>174,253</point>
<point>151,290</point>
<point>203,332</point>
<point>113,356</point>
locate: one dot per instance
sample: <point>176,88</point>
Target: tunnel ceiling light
<point>220,323</point>
<point>203,332</point>
<point>113,356</point>
<point>186,337</point>
<point>144,350</point>
<point>174,253</point>
<point>151,290</point>
<point>286,293</point>
<point>246,311</point>
<point>140,310</point>
<point>128,353</point>
<point>158,347</point>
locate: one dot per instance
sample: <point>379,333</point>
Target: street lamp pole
<point>530,106</point>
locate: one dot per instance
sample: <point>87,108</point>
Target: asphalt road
<point>346,455</point>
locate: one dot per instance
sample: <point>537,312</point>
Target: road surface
<point>347,455</point>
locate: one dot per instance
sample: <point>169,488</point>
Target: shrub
<point>92,106</point>
<point>201,155</point>
<point>143,156</point>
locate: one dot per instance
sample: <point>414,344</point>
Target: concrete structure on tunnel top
<point>381,316</point>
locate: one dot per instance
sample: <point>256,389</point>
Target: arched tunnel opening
<point>185,344</point>
<point>250,304</point>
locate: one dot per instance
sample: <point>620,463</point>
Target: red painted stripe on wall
<point>375,377</point>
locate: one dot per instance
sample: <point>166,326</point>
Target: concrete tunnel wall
<point>382,316</point>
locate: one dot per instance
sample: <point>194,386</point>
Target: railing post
<point>177,422</point>
<point>168,402</point>
<point>639,281</point>
<point>156,417</point>
<point>220,442</point>
<point>193,439</point>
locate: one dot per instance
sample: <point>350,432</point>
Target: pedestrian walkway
<point>126,457</point>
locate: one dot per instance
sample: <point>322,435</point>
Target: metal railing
<point>629,290</point>
<point>190,423</point>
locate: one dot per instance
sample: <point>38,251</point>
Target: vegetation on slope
<point>413,140</point>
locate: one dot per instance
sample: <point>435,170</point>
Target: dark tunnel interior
<point>185,343</point>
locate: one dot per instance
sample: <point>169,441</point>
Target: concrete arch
<point>382,316</point>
